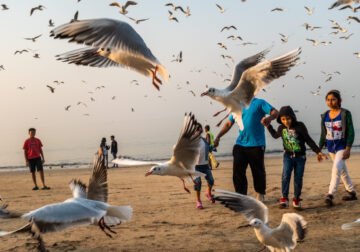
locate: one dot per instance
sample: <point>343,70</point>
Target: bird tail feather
<point>163,72</point>
<point>351,225</point>
<point>124,213</point>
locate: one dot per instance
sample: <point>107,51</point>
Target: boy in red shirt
<point>32,152</point>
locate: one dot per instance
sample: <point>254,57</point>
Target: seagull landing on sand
<point>110,43</point>
<point>84,208</point>
<point>123,7</point>
<point>249,77</point>
<point>185,154</point>
<point>283,238</point>
<point>347,226</point>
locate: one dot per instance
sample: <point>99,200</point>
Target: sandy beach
<point>165,217</point>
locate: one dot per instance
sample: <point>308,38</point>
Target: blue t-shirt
<point>335,140</point>
<point>253,133</point>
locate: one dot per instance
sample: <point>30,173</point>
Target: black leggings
<point>255,157</point>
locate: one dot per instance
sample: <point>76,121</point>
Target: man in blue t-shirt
<point>250,146</point>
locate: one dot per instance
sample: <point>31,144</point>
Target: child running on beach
<point>337,132</point>
<point>203,166</point>
<point>294,136</point>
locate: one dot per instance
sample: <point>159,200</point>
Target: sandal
<point>35,188</point>
<point>45,188</point>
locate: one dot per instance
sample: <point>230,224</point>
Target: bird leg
<point>217,113</point>
<point>36,234</point>
<point>244,226</point>
<point>217,125</point>
<point>195,183</point>
<point>102,227</point>
<point>187,190</point>
<point>106,226</point>
<point>262,249</point>
<point>154,78</point>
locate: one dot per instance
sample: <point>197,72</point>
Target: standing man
<point>34,158</point>
<point>114,148</point>
<point>250,146</point>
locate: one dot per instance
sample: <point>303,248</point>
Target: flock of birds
<point>109,42</point>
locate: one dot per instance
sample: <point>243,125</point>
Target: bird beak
<point>95,53</point>
<point>148,173</point>
<point>205,93</point>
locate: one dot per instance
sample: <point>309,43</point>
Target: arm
<point>227,126</point>
<point>26,159</point>
<point>42,155</point>
<point>267,120</point>
<point>273,133</point>
<point>350,135</point>
<point>208,139</point>
<point>322,135</point>
<point>309,141</point>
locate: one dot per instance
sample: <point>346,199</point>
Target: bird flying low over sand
<point>185,154</point>
<point>123,7</point>
<point>249,77</point>
<point>282,238</point>
<point>84,208</point>
<point>110,43</point>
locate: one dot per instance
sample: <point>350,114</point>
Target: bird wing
<point>86,56</point>
<point>65,212</point>
<point>246,205</point>
<point>104,33</point>
<point>355,224</point>
<point>186,150</point>
<point>180,8</point>
<point>98,187</point>
<point>291,230</point>
<point>115,4</point>
<point>219,7</point>
<point>128,3</point>
<point>257,77</point>
<point>78,189</point>
<point>242,66</point>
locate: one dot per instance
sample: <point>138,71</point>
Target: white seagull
<point>282,238</point>
<point>249,77</point>
<point>123,7</point>
<point>355,224</point>
<point>110,43</point>
<point>185,154</point>
<point>84,208</point>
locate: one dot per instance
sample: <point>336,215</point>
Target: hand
<point>266,121</point>
<point>216,142</point>
<point>27,163</point>
<point>321,156</point>
<point>346,154</point>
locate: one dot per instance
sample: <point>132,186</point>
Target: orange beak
<point>148,173</point>
<point>205,93</point>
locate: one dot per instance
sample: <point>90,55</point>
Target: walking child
<point>210,140</point>
<point>294,135</point>
<point>337,132</point>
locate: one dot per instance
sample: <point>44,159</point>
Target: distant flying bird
<point>175,8</point>
<point>299,76</point>
<point>2,67</point>
<point>39,8</point>
<point>285,237</point>
<point>51,23</point>
<point>341,2</point>
<point>315,93</point>
<point>86,114</point>
<point>20,51</point>
<point>335,32</point>
<point>249,77</point>
<point>171,17</point>
<point>192,92</point>
<point>325,43</point>
<point>123,7</point>
<point>58,82</point>
<point>309,11</point>
<point>92,99</point>
<point>113,98</point>
<point>34,38</point>
<point>337,72</point>
<point>228,28</point>
<point>137,21</point>
<point>346,37</point>
<point>187,12</point>
<point>21,88</point>
<point>233,37</point>
<point>277,9</point>
<point>222,45</point>
<point>132,110</point>
<point>82,103</point>
<point>284,36</point>
<point>328,79</point>
<point>353,18</point>
<point>51,88</point>
<point>247,43</point>
<point>179,57</point>
<point>36,56</point>
<point>315,43</point>
<point>185,154</point>
<point>110,43</point>
<point>222,10</point>
<point>67,107</point>
<point>4,7</point>
<point>343,30</point>
<point>76,16</point>
<point>357,54</point>
<point>350,7</point>
<point>310,27</point>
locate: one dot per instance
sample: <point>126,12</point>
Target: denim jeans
<point>290,163</point>
<point>209,177</point>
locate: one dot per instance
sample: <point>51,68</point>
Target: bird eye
<point>108,49</point>
<point>102,49</point>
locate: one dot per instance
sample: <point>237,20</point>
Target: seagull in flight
<point>137,21</point>
<point>171,17</point>
<point>346,37</point>
<point>2,67</point>
<point>341,2</point>
<point>185,154</point>
<point>67,107</point>
<point>353,18</point>
<point>34,38</point>
<point>233,37</point>
<point>249,77</point>
<point>309,11</point>
<point>110,43</point>
<point>39,8</point>
<point>222,45</point>
<point>277,9</point>
<point>228,28</point>
<point>51,23</point>
<point>350,7</point>
<point>222,10</point>
<point>123,7</point>
<point>4,7</point>
<point>310,27</point>
<point>357,54</point>
<point>179,57</point>
<point>52,89</point>
<point>315,43</point>
<point>282,238</point>
<point>87,206</point>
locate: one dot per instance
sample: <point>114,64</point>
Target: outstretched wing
<point>257,77</point>
<point>242,66</point>
<point>355,224</point>
<point>186,150</point>
<point>98,187</point>
<point>246,205</point>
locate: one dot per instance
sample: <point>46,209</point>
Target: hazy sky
<point>158,119</point>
